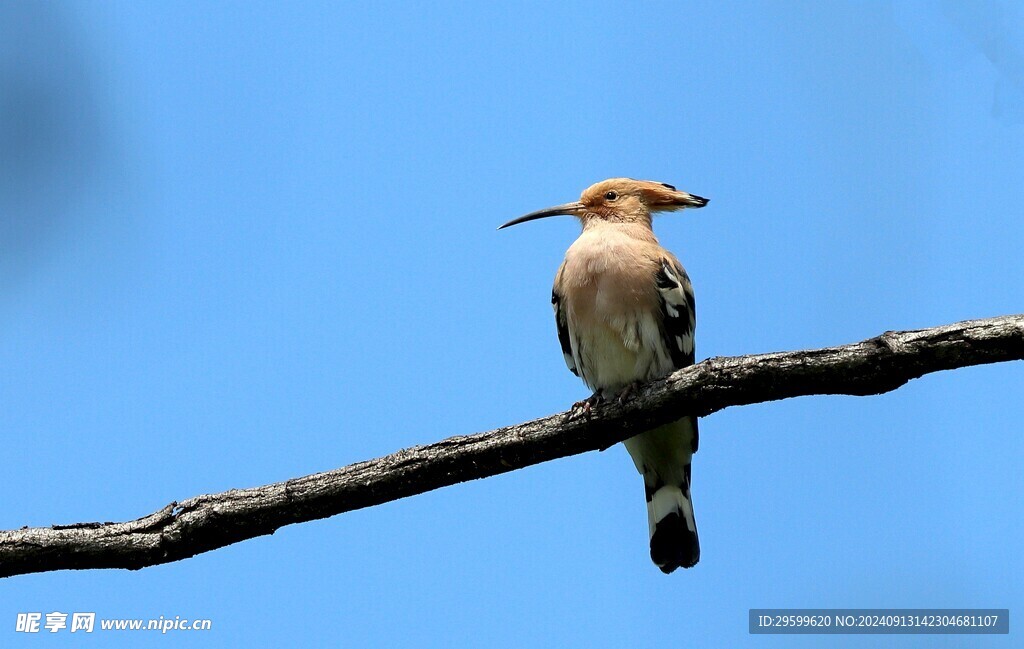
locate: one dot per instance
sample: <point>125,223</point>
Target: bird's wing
<point>563,331</point>
<point>679,319</point>
<point>678,313</point>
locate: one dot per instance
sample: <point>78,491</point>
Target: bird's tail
<point>662,456</point>
<point>674,542</point>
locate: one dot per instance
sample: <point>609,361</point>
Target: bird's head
<point>620,200</point>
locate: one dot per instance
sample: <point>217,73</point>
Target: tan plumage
<point>625,314</point>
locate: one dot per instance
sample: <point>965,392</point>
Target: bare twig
<point>203,523</point>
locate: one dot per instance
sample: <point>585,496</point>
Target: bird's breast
<point>608,272</point>
<point>607,284</point>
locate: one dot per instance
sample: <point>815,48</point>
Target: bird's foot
<point>627,392</point>
<point>584,408</point>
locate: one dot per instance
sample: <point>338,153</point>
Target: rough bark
<point>203,523</point>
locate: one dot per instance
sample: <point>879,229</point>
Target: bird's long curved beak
<point>567,209</point>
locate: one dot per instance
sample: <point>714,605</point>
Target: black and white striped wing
<point>563,332</point>
<point>679,315</point>
<point>679,321</point>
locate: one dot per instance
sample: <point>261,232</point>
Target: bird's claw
<point>627,392</point>
<point>584,408</point>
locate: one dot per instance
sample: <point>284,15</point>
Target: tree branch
<point>203,523</point>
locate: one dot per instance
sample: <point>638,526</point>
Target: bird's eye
<point>611,196</point>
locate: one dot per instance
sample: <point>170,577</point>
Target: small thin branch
<point>203,523</point>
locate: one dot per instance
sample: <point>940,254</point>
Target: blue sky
<point>244,242</point>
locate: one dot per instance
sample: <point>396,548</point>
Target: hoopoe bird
<point>625,315</point>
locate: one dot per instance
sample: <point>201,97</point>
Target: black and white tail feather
<point>665,465</point>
